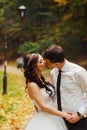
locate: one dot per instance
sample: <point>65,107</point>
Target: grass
<point>15,92</point>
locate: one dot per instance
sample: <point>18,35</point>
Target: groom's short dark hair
<point>54,53</point>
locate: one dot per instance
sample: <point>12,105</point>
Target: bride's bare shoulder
<point>33,89</point>
<point>33,86</point>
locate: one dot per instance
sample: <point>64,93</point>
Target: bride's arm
<point>34,92</point>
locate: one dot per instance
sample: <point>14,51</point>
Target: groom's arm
<point>81,78</point>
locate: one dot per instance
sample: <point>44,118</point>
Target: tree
<point>64,22</point>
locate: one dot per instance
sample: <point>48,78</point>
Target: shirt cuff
<point>83,111</point>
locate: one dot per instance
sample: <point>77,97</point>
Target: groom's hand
<point>73,118</point>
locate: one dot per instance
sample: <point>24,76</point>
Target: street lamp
<point>22,10</point>
<point>5,65</point>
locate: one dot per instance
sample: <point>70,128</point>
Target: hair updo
<point>30,73</point>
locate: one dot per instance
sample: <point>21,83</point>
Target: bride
<point>43,95</point>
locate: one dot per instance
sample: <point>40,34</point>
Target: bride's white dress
<point>45,121</point>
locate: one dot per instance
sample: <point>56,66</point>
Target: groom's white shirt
<point>73,87</point>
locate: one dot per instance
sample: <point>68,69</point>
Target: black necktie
<point>58,91</point>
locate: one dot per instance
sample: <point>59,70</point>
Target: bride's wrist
<point>64,114</point>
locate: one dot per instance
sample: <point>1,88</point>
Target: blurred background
<point>28,26</point>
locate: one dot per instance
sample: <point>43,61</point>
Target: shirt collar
<point>66,66</point>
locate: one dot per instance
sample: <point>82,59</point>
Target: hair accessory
<point>30,58</point>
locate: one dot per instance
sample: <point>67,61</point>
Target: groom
<point>73,86</point>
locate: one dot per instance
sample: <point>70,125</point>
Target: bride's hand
<point>66,115</point>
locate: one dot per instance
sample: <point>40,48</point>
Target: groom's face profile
<point>49,64</point>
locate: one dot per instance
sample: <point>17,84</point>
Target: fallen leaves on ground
<point>18,118</point>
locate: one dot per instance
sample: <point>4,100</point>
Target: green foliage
<point>46,23</point>
<point>32,47</point>
<point>28,47</point>
<point>44,43</point>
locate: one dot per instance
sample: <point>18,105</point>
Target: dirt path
<point>12,70</point>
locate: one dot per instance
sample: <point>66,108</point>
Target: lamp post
<point>22,10</point>
<point>5,66</point>
<point>5,62</point>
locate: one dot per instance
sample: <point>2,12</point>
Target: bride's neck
<point>39,75</point>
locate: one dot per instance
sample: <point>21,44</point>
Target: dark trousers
<point>80,125</point>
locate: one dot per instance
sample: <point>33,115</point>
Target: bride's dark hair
<point>30,73</point>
